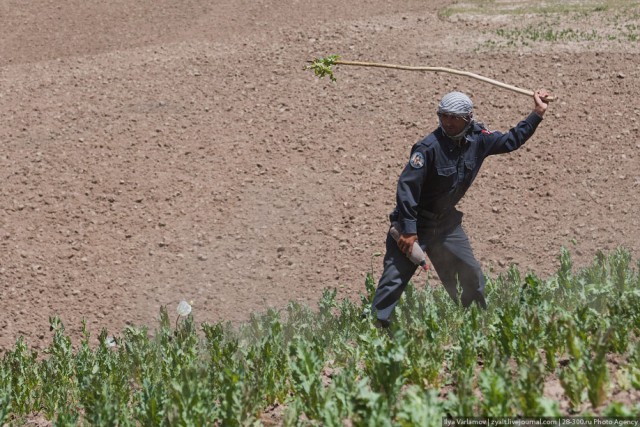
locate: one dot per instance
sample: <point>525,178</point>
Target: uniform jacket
<point>440,171</point>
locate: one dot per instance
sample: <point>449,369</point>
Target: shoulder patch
<point>486,132</point>
<point>417,160</point>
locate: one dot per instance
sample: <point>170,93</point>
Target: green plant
<point>323,66</point>
<point>385,363</point>
<point>496,385</point>
<point>330,367</point>
<point>597,370</point>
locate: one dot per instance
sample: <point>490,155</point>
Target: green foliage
<point>306,370</point>
<point>545,34</point>
<point>323,66</point>
<point>529,388</point>
<point>546,22</point>
<point>420,407</point>
<point>331,366</point>
<point>496,385</point>
<point>385,361</point>
<point>528,7</point>
<point>597,371</point>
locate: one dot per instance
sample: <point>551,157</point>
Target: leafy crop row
<point>327,366</point>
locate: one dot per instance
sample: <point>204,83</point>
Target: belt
<point>433,216</point>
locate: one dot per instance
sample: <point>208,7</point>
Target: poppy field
<point>575,332</point>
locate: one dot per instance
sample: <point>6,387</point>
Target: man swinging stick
<point>440,170</point>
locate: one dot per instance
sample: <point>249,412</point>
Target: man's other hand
<point>405,243</point>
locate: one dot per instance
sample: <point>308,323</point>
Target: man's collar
<point>460,142</point>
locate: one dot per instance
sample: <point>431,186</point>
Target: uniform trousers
<point>448,248</point>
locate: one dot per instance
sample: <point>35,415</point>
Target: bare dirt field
<point>154,151</point>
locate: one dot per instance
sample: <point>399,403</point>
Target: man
<point>441,169</point>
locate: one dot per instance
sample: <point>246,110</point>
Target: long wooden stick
<point>438,70</point>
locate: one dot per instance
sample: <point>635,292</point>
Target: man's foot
<point>383,324</point>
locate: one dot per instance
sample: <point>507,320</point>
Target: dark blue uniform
<point>438,174</point>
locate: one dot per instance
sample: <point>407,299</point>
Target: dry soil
<point>154,151</point>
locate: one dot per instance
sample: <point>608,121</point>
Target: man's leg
<point>453,260</point>
<point>398,270</point>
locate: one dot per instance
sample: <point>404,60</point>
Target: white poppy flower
<point>184,308</point>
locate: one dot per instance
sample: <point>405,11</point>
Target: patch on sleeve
<point>417,160</point>
<point>486,132</point>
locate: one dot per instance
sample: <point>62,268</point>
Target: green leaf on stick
<point>323,66</point>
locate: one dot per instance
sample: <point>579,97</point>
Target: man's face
<point>451,124</point>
